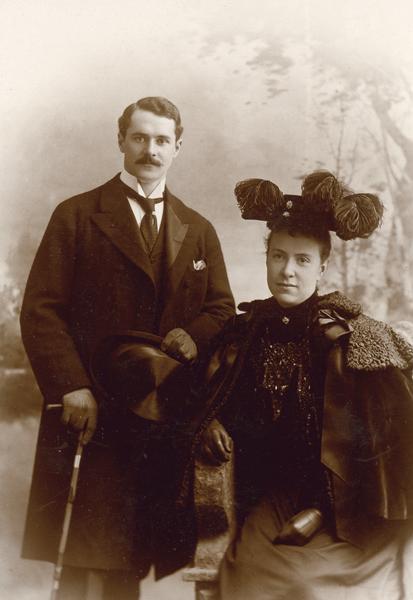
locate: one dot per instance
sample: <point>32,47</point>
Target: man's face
<point>149,146</point>
<point>293,268</point>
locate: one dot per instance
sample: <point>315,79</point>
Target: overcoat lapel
<point>176,231</point>
<point>117,222</point>
<point>180,239</point>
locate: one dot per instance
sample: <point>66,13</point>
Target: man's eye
<point>161,141</point>
<point>139,139</point>
<point>303,259</point>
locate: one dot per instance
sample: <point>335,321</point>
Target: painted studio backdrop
<point>266,89</point>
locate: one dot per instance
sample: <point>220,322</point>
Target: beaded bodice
<point>284,385</point>
<point>276,412</point>
<point>280,369</point>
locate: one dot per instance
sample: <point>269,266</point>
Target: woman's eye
<point>303,260</point>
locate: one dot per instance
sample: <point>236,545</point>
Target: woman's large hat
<point>324,201</point>
<point>133,373</point>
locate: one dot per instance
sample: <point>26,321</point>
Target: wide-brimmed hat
<point>325,202</point>
<point>134,373</point>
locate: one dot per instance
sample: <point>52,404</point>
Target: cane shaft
<point>67,518</point>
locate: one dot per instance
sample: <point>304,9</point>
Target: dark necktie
<point>149,224</point>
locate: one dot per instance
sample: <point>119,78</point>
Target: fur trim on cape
<point>372,345</point>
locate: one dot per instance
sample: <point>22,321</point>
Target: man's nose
<point>151,147</point>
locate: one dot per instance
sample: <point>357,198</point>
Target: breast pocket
<point>194,287</point>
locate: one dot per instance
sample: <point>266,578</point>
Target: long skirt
<point>254,568</point>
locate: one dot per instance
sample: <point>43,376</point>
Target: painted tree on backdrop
<point>19,393</point>
<point>12,355</point>
<point>360,117</point>
<point>356,127</point>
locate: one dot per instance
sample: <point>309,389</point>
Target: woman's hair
<point>308,229</point>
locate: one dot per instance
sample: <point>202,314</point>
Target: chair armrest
<point>215,515</point>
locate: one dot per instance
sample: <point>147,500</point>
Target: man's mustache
<point>147,159</point>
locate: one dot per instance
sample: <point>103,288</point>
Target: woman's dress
<point>275,417</point>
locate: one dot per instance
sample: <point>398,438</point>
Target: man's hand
<point>179,344</point>
<point>80,411</point>
<point>216,444</point>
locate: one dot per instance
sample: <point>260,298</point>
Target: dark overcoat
<point>92,278</point>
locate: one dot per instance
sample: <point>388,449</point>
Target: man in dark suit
<point>127,255</point>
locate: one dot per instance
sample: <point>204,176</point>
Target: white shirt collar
<point>132,182</point>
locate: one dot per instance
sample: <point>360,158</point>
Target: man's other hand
<point>80,412</point>
<point>179,344</point>
<point>216,444</point>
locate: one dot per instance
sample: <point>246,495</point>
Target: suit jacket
<point>91,278</point>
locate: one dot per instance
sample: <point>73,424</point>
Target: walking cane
<point>68,512</point>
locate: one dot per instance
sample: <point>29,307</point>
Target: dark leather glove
<point>179,344</point>
<point>216,445</point>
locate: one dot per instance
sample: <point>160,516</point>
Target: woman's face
<point>293,267</point>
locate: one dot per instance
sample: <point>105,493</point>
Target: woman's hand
<point>216,445</point>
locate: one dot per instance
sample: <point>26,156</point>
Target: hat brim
<point>135,374</point>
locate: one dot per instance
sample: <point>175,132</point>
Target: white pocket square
<point>199,265</point>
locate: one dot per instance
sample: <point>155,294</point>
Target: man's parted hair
<point>155,104</point>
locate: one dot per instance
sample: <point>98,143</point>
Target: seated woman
<point>315,400</point>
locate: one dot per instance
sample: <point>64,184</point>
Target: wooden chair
<point>215,512</point>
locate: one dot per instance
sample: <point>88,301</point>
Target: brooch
<point>199,265</point>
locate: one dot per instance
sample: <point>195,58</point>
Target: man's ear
<point>178,145</point>
<point>121,140</point>
<point>323,268</point>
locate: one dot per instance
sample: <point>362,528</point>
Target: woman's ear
<point>323,268</point>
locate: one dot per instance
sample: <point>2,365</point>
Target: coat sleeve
<point>219,304</point>
<point>45,314</point>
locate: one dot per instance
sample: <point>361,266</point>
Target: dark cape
<point>367,413</point>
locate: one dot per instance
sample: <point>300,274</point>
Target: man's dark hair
<point>155,104</point>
